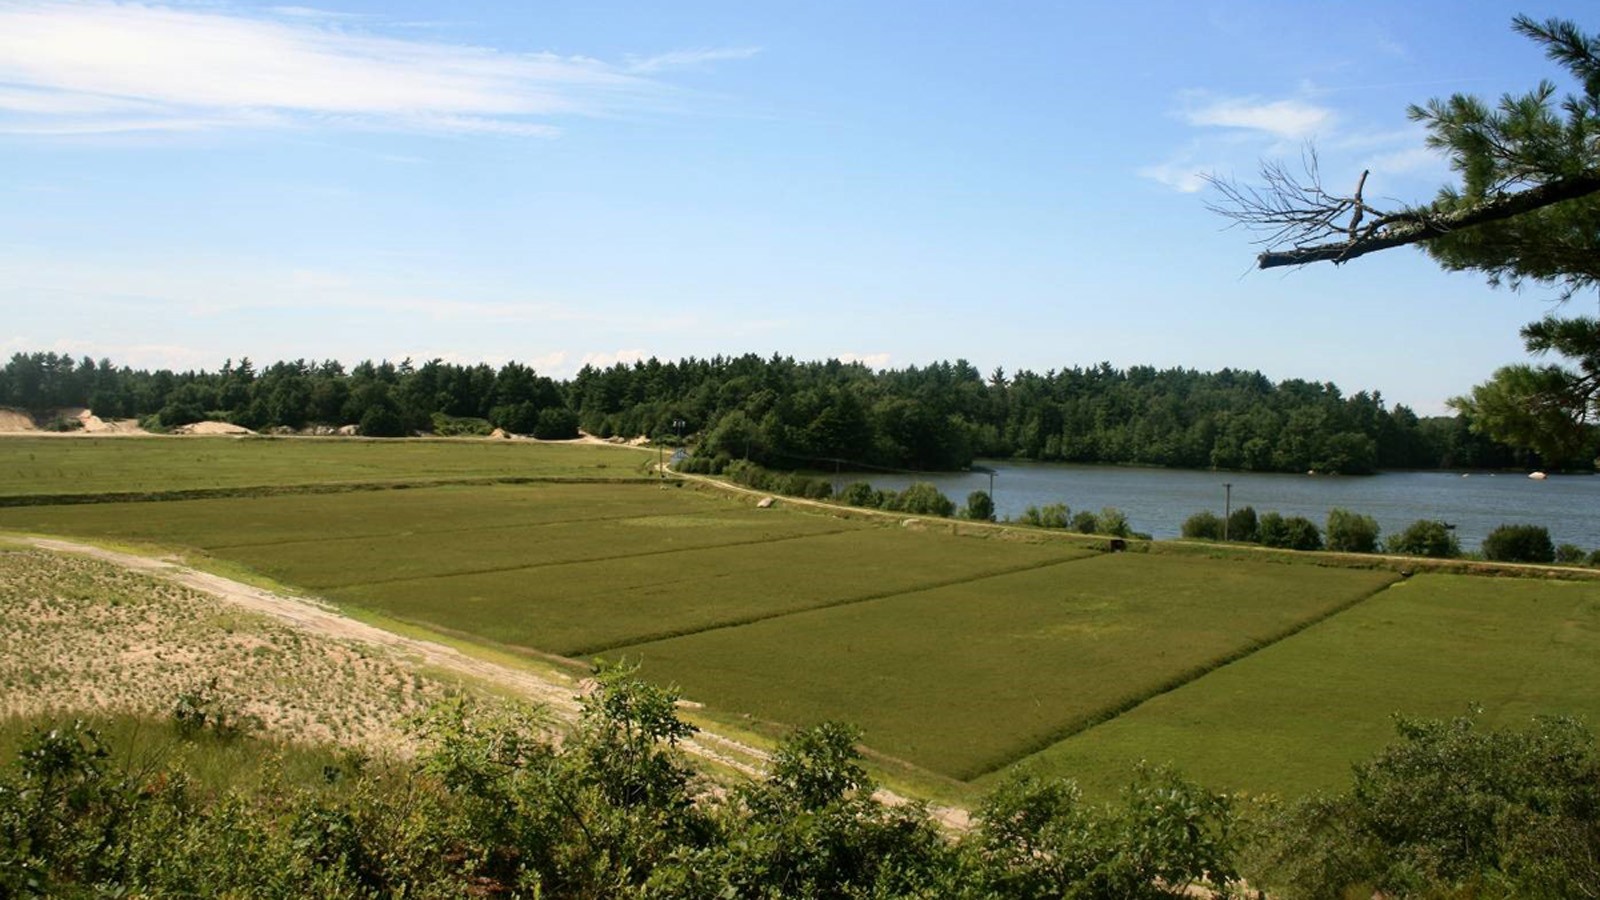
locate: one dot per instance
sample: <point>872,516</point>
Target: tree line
<point>783,413</point>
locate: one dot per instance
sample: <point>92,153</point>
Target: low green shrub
<point>1112,521</point>
<point>1350,532</point>
<point>457,426</point>
<point>1291,533</point>
<point>1242,525</point>
<point>980,507</point>
<point>1451,810</point>
<point>1204,525</point>
<point>1519,543</point>
<point>860,493</point>
<point>556,423</point>
<point>923,499</point>
<point>1426,537</point>
<point>1051,515</point>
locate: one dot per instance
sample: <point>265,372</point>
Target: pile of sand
<point>93,424</point>
<point>12,421</point>
<point>212,428</point>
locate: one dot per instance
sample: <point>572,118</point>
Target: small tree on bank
<point>980,506</point>
<point>1519,543</point>
<point>1350,532</point>
<point>1425,537</point>
<point>1203,526</point>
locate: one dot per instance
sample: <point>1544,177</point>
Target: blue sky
<point>899,183</point>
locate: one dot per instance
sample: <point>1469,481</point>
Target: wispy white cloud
<point>309,12</point>
<point>871,360</point>
<point>1289,119</point>
<point>687,59</point>
<point>606,360</point>
<point>107,67</point>
<point>1181,174</point>
<point>1233,134</point>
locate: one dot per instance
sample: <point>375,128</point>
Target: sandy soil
<point>212,428</point>
<point>12,422</point>
<point>557,693</point>
<point>81,635</point>
<point>93,424</point>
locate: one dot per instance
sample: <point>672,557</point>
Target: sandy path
<point>556,693</point>
<point>559,696</point>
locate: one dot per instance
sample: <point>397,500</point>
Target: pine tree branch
<point>1413,227</point>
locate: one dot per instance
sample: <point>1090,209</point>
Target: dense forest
<point>787,414</point>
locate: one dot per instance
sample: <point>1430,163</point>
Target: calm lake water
<point>1158,500</point>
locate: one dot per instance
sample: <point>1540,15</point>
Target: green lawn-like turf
<point>322,541</point>
<point>964,679</point>
<point>1293,717</point>
<point>286,518</point>
<point>558,568</point>
<point>591,607</point>
<point>84,465</point>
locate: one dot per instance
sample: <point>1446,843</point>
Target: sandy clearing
<point>558,694</point>
<point>13,421</point>
<point>93,424</point>
<point>212,428</point>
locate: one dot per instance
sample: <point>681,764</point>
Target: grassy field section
<point>82,465</point>
<point>1293,717</point>
<point>321,541</point>
<point>558,568</point>
<point>967,678</point>
<point>233,521</point>
<point>591,607</point>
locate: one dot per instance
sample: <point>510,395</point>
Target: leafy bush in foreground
<point>491,806</point>
<point>1454,811</point>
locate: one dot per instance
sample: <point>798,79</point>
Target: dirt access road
<point>556,693</point>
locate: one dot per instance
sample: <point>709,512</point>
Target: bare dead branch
<point>1320,226</point>
<point>1415,226</point>
<point>1293,208</point>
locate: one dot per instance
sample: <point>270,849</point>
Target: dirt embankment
<point>72,420</point>
<point>13,422</point>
